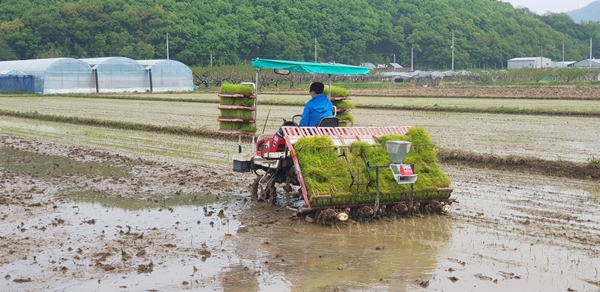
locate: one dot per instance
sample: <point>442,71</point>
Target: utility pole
<point>315,49</point>
<point>394,58</point>
<point>211,60</point>
<point>590,52</point>
<point>412,59</point>
<point>563,51</point>
<point>541,57</point>
<point>167,46</point>
<point>452,50</point>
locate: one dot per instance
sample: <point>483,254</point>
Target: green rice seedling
<point>344,104</point>
<point>594,162</point>
<point>248,128</point>
<point>245,102</point>
<point>228,88</point>
<point>346,116</point>
<point>325,173</point>
<point>231,126</point>
<point>337,92</point>
<point>239,114</point>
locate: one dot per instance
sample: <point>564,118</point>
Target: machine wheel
<point>263,189</point>
<point>254,189</point>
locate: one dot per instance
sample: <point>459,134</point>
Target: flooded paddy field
<point>91,208</point>
<point>568,138</point>
<point>75,218</point>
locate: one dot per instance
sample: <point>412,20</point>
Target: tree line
<point>220,32</point>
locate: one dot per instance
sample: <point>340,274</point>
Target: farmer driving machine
<point>341,172</point>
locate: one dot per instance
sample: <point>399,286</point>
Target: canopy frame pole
<point>256,103</point>
<point>329,91</point>
<point>256,95</point>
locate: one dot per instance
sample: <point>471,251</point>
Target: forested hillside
<point>488,32</point>
<point>591,12</point>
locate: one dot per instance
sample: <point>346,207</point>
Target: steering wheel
<point>291,123</point>
<point>294,120</point>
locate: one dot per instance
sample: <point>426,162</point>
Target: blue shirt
<point>318,107</point>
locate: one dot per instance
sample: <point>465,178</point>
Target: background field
<point>554,137</point>
<point>510,229</point>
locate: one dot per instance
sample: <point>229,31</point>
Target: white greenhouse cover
<point>13,72</point>
<point>168,75</point>
<point>118,74</point>
<point>56,75</point>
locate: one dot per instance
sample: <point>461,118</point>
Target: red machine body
<point>404,169</point>
<point>269,143</point>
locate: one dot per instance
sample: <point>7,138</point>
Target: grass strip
<point>523,164</point>
<point>456,109</point>
<point>146,98</point>
<point>198,132</point>
<point>491,110</point>
<point>488,110</point>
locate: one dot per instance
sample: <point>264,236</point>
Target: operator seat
<point>328,122</point>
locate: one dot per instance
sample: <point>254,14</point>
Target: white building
<point>563,64</point>
<point>530,62</point>
<point>586,63</point>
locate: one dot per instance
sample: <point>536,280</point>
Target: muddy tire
<point>263,189</point>
<point>254,189</point>
<point>270,194</point>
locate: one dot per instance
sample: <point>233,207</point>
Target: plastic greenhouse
<point>112,74</point>
<point>168,75</point>
<point>118,74</point>
<point>58,75</point>
<point>14,80</point>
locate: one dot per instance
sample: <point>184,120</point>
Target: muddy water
<point>377,256</point>
<point>545,231</point>
<point>509,232</point>
<point>94,247</point>
<point>148,231</point>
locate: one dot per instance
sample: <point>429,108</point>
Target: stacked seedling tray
<point>327,175</point>
<point>238,107</point>
<point>341,100</point>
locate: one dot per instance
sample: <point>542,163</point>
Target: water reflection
<point>378,256</point>
<point>83,246</point>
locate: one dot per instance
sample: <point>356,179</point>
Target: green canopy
<point>309,67</point>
